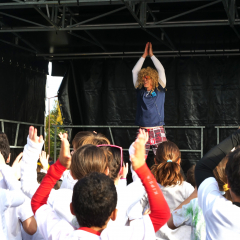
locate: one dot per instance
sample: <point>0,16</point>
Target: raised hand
<point>43,157</point>
<point>33,135</point>
<point>65,157</point>
<point>150,50</point>
<point>138,158</point>
<point>17,166</point>
<point>146,51</point>
<point>124,171</point>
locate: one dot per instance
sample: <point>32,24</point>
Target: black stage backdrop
<point>22,94</point>
<point>200,91</point>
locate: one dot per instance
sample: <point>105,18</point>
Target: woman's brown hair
<point>167,173</point>
<point>87,137</point>
<point>87,159</point>
<point>114,161</point>
<point>221,178</point>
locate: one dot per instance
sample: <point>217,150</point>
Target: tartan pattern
<point>156,136</point>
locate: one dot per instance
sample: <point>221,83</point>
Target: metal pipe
<point>85,2</point>
<point>94,18</point>
<point>22,123</point>
<point>63,17</point>
<point>225,51</point>
<point>16,136</point>
<point>161,56</point>
<point>190,11</point>
<point>45,16</point>
<point>55,144</point>
<point>22,19</point>
<point>107,126</point>
<point>123,26</point>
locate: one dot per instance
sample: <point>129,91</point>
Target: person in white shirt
<point>221,215</point>
<point>11,196</point>
<point>94,203</point>
<point>189,212</point>
<point>175,190</point>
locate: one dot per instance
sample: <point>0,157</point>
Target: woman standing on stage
<point>150,86</point>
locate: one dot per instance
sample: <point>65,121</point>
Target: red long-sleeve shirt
<point>160,212</point>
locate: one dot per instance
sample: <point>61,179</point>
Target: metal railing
<point>218,127</point>
<point>125,127</point>
<point>17,130</point>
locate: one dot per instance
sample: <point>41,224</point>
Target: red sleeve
<point>160,212</point>
<point>41,195</point>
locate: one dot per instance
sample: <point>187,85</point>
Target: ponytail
<point>167,170</point>
<point>167,173</point>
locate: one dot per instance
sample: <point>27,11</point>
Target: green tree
<point>55,119</point>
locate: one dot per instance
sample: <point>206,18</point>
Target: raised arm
<point>46,217</point>
<point>29,162</point>
<point>161,72</point>
<point>204,168</point>
<point>139,64</point>
<point>160,212</point>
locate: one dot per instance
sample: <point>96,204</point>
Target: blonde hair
<point>148,72</point>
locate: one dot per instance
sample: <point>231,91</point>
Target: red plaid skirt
<point>156,136</point>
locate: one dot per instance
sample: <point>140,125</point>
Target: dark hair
<point>94,199</point>
<point>167,173</point>
<point>114,160</point>
<point>41,175</point>
<point>233,171</point>
<point>4,146</point>
<point>221,178</point>
<point>87,159</point>
<point>191,175</point>
<point>87,137</point>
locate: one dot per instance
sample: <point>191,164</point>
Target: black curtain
<point>22,95</point>
<point>200,91</point>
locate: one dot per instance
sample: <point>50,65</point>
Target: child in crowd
<point>175,190</point>
<point>10,193</point>
<point>80,139</point>
<point>94,202</point>
<point>18,219</point>
<point>189,213</point>
<point>221,215</point>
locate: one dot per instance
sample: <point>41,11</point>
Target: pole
<point>49,127</point>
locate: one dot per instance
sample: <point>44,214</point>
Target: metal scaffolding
<point>59,15</point>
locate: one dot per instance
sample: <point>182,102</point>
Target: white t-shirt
<point>174,196</point>
<point>10,198</point>
<point>68,181</point>
<point>191,215</point>
<point>221,216</point>
<point>51,227</point>
<point>14,217</point>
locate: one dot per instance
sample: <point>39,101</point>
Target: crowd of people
<point>84,194</point>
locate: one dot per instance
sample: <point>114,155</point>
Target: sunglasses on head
<point>114,146</point>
